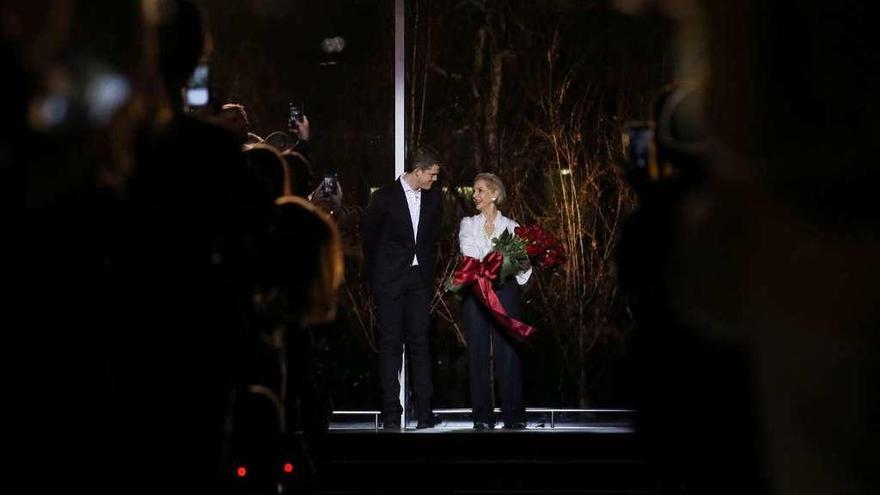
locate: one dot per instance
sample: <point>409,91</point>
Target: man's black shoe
<point>391,423</point>
<point>480,425</point>
<point>430,422</point>
<point>515,426</point>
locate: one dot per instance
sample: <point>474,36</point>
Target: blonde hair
<point>324,292</point>
<point>265,160</point>
<point>303,260</point>
<point>495,185</point>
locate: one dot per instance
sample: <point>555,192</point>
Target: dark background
<point>267,53</point>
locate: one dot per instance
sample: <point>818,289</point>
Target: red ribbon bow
<point>479,275</point>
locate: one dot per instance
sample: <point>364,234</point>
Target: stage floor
<point>599,456</point>
<point>546,420</point>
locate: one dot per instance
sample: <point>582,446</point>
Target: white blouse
<point>474,242</point>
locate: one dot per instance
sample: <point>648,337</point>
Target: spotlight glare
<point>333,45</point>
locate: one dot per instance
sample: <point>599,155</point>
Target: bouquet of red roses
<point>511,253</point>
<point>543,249</point>
<point>530,245</point>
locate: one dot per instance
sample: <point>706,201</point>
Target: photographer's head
<point>301,169</point>
<point>670,154</point>
<point>302,264</point>
<point>424,167</point>
<point>272,170</point>
<point>682,141</point>
<point>281,140</point>
<point>182,38</point>
<point>233,117</point>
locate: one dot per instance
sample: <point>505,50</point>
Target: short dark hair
<point>423,158</point>
<point>181,36</point>
<point>302,171</point>
<point>271,169</point>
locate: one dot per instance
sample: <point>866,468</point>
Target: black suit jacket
<point>388,242</point>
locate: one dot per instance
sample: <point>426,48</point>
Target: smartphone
<point>197,93</point>
<point>641,150</point>
<point>641,153</point>
<point>330,185</point>
<point>296,114</point>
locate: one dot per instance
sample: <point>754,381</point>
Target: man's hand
<point>301,129</point>
<point>234,118</point>
<point>332,203</point>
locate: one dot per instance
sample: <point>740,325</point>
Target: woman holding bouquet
<point>481,331</point>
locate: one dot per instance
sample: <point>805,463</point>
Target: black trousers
<point>481,331</point>
<point>404,318</point>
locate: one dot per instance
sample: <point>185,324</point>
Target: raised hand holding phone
<point>330,184</point>
<point>296,113</point>
<point>297,122</point>
<point>328,193</point>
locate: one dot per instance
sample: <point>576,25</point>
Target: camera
<point>641,148</point>
<point>296,114</point>
<point>197,93</point>
<point>330,184</point>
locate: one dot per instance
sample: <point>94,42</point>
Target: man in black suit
<point>399,240</point>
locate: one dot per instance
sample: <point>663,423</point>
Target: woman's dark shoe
<point>515,426</point>
<point>480,425</point>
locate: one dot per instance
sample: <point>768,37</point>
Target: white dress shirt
<point>474,241</point>
<point>414,202</point>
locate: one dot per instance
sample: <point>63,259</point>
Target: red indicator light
<point>288,467</point>
<point>241,472</point>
